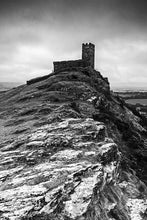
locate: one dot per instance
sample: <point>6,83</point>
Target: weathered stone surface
<point>78,158</point>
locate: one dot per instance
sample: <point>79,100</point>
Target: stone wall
<point>69,64</point>
<point>37,79</point>
<point>88,56</point>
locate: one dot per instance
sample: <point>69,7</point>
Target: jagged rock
<point>80,155</point>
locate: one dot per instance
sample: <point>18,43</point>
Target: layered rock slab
<point>65,170</point>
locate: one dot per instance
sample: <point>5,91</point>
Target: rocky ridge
<point>71,150</point>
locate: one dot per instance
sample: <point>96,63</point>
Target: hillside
<point>71,149</point>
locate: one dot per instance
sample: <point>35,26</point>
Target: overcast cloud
<point>34,33</point>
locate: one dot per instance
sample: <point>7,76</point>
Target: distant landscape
<point>137,99</point>
<point>8,85</point>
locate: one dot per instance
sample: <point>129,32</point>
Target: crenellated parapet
<point>88,53</point>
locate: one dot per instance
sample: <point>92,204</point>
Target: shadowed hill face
<point>27,106</point>
<point>69,149</point>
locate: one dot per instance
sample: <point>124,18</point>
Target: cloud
<point>124,62</point>
<point>37,32</point>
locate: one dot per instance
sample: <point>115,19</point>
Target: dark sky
<point>33,33</point>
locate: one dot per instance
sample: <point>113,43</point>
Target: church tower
<point>88,53</point>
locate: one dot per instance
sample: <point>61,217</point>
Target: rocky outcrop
<point>71,150</point>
